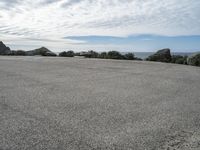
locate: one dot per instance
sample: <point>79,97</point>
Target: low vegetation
<point>129,56</point>
<point>67,54</point>
<point>91,54</point>
<point>18,53</point>
<point>109,55</point>
<point>178,59</point>
<point>194,60</point>
<point>163,55</point>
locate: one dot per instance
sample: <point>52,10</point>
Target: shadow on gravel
<point>183,140</point>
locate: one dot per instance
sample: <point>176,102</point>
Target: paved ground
<point>91,104</point>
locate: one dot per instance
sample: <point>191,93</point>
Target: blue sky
<point>124,25</point>
<point>145,43</point>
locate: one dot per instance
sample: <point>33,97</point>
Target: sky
<point>101,25</point>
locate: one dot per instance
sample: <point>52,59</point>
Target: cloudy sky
<point>125,25</point>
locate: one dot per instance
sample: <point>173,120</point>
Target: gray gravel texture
<point>96,104</point>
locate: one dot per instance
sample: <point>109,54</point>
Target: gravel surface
<point>94,104</point>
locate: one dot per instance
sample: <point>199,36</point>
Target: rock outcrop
<point>3,49</point>
<point>49,54</point>
<point>163,55</point>
<point>39,51</point>
<point>194,60</point>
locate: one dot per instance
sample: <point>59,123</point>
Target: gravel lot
<point>94,104</point>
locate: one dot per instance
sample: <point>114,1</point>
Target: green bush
<point>103,55</point>
<point>67,54</point>
<point>20,53</point>
<point>77,54</point>
<point>118,55</point>
<point>194,60</point>
<point>139,59</point>
<point>129,56</point>
<point>92,54</point>
<point>114,55</point>
<point>177,59</point>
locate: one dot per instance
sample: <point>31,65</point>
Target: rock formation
<point>3,49</point>
<point>49,54</point>
<point>163,55</point>
<point>39,51</point>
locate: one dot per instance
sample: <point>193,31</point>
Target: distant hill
<point>4,50</point>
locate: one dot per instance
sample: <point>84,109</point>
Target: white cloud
<point>52,20</point>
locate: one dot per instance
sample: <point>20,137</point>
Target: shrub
<point>91,54</point>
<point>67,54</point>
<point>139,59</point>
<point>194,60</point>
<point>77,54</point>
<point>103,55</point>
<point>20,53</point>
<point>177,59</point>
<point>129,56</point>
<point>114,55</point>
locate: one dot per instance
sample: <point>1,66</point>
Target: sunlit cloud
<point>49,21</point>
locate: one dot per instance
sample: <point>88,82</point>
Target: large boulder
<point>163,55</point>
<point>194,60</point>
<point>43,51</point>
<point>3,49</point>
<point>39,51</point>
